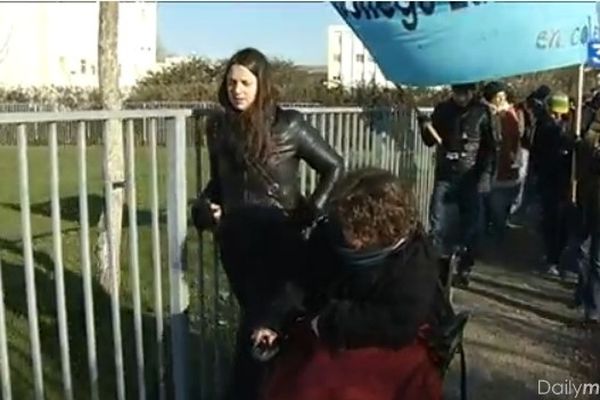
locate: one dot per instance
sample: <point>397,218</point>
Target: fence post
<point>30,290</point>
<point>177,226</point>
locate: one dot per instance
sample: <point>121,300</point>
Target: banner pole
<point>577,130</point>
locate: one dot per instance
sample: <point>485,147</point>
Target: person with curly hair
<point>368,337</point>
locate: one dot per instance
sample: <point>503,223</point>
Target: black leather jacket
<point>482,129</point>
<point>469,139</point>
<point>233,183</point>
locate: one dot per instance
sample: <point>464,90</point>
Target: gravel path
<point>521,329</point>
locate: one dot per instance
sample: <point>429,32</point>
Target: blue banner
<point>430,43</point>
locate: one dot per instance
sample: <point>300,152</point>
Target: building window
<point>360,58</point>
<point>83,67</point>
<point>337,57</point>
<point>93,69</point>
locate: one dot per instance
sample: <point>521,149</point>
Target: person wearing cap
<point>551,154</point>
<point>463,125</point>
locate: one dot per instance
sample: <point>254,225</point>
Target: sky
<point>294,31</point>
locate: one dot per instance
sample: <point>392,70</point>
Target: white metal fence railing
<point>34,261</point>
<point>153,336</point>
<point>364,137</point>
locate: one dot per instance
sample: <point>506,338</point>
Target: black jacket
<point>588,171</point>
<point>551,154</point>
<point>234,183</point>
<point>382,302</point>
<point>469,139</point>
<point>278,277</point>
<point>588,158</point>
<point>275,274</point>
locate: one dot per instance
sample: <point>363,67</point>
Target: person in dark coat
<point>588,200</point>
<point>464,161</point>
<point>368,329</point>
<point>583,252</point>
<point>255,149</point>
<point>552,158</point>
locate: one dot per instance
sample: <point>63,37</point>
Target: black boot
<point>463,263</point>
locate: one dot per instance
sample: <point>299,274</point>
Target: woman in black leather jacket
<point>255,149</point>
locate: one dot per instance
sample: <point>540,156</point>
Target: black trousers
<point>554,219</point>
<point>248,374</point>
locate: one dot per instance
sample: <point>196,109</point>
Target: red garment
<point>309,371</point>
<point>512,122</point>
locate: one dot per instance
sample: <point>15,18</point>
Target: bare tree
<point>108,75</point>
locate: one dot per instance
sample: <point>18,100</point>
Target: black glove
<point>304,214</point>
<point>202,215</point>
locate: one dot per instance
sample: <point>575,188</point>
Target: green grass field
<point>212,308</point>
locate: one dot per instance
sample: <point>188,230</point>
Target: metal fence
<point>26,107</point>
<point>68,133</point>
<point>84,343</point>
<point>35,262</point>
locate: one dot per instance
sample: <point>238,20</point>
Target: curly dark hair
<point>374,208</point>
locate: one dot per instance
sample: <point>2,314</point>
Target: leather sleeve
<point>287,305</point>
<point>483,147</point>
<point>313,149</point>
<point>436,118</point>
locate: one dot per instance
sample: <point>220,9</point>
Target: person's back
<point>552,153</point>
<point>588,166</point>
<point>369,338</point>
<point>587,150</point>
<point>587,292</point>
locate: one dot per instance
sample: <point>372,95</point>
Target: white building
<point>44,44</point>
<point>170,61</point>
<point>349,63</point>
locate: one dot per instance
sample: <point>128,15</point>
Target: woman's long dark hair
<point>253,125</point>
